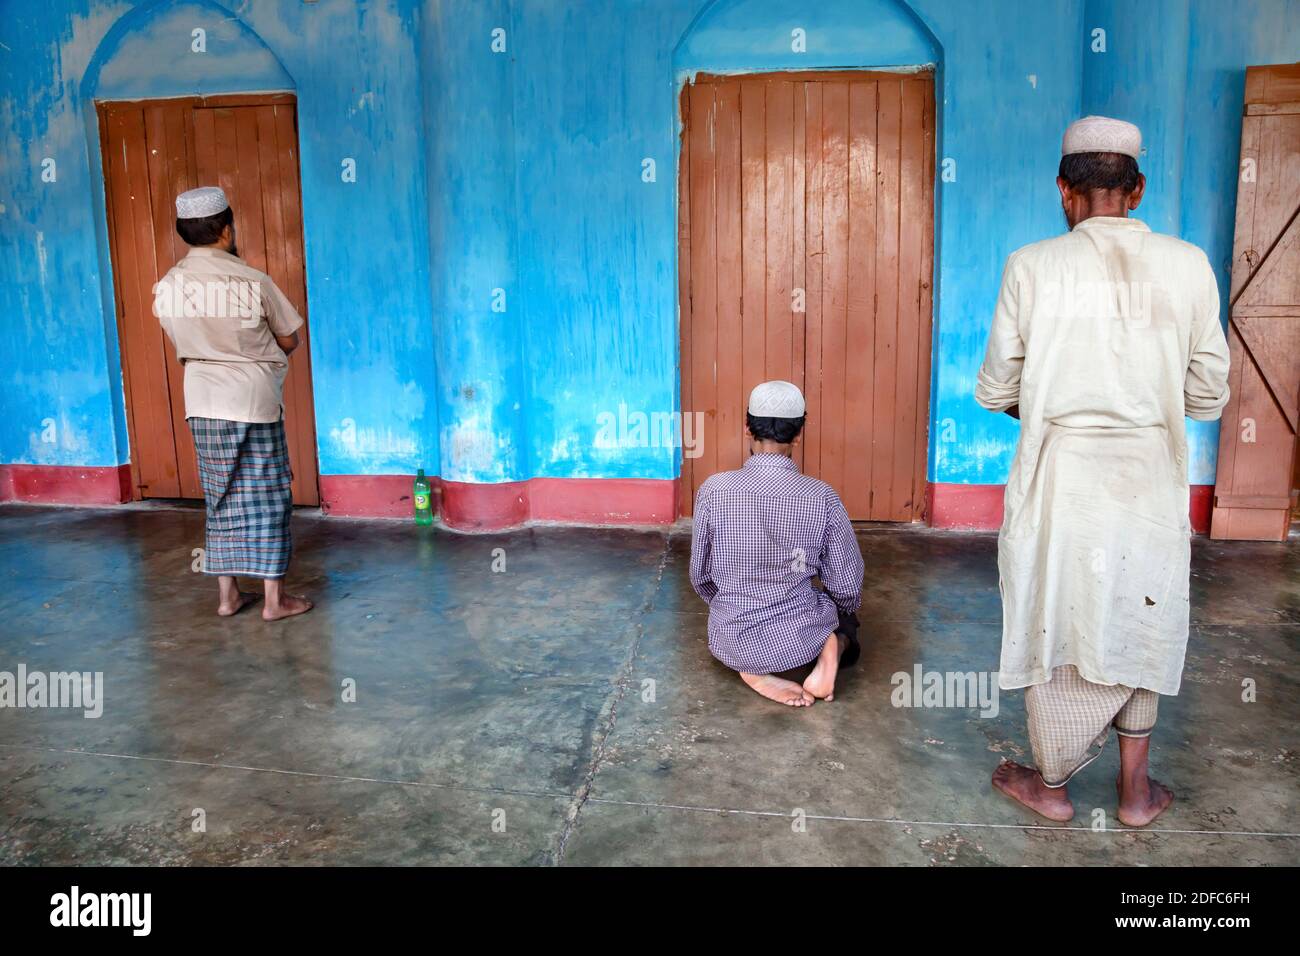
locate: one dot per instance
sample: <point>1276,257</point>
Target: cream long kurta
<point>1106,337</point>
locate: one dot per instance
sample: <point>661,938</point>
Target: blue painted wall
<point>1186,94</point>
<point>501,273</point>
<point>354,69</point>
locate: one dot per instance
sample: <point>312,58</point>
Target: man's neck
<point>1115,208</point>
<point>771,448</point>
<point>1120,213</point>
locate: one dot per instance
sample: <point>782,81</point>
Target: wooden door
<point>1254,485</point>
<point>806,250</point>
<point>154,150</point>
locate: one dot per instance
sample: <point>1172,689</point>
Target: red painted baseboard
<point>604,500</point>
<point>475,507</point>
<point>979,507</point>
<point>370,496</point>
<point>66,484</point>
<point>1202,503</point>
<point>969,507</point>
<point>487,507</point>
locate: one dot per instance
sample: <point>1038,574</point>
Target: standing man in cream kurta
<point>1103,341</point>
<point>233,331</point>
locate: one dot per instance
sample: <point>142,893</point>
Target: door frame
<point>103,108</point>
<point>928,342</point>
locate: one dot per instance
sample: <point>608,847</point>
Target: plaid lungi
<point>244,470</point>
<point>1070,720</point>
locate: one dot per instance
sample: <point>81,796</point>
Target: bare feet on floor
<point>1025,786</point>
<point>288,605</point>
<point>778,689</point>
<point>821,682</point>
<point>236,603</point>
<point>1140,804</point>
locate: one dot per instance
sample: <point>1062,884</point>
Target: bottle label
<point>421,501</point>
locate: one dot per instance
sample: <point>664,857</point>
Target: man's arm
<point>701,541</point>
<point>998,383</point>
<point>841,559</point>
<point>1205,388</point>
<point>282,318</point>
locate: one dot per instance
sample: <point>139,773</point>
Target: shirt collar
<point>213,252</point>
<point>769,460</point>
<point>1121,222</point>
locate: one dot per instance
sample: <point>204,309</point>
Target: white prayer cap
<point>201,203</point>
<point>1101,134</point>
<point>776,400</point>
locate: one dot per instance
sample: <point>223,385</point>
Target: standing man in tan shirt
<point>233,331</point>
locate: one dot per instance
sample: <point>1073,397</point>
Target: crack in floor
<point>603,734</point>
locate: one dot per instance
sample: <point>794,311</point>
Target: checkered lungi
<point>244,470</point>
<point>1070,720</point>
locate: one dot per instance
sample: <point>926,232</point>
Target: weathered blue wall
<point>479,311</point>
<point>500,274</point>
<point>595,95</point>
<point>353,68</point>
<point>1186,93</point>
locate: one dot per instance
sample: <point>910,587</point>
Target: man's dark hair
<point>780,430</point>
<point>1087,172</point>
<point>205,231</point>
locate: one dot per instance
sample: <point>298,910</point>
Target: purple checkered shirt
<point>761,534</point>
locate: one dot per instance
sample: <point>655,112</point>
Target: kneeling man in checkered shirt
<point>762,533</point>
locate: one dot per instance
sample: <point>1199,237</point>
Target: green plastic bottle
<point>423,496</point>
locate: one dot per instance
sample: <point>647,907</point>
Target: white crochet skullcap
<point>776,400</point>
<point>201,203</point>
<point>1101,134</point>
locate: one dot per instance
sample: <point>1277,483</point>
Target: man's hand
<point>288,342</point>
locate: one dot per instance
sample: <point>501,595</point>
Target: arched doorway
<point>172,85</point>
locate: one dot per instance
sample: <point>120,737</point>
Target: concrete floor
<point>518,698</point>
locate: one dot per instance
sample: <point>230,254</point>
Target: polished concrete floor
<point>566,709</point>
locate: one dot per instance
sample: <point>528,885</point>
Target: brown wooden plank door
<point>805,253</point>
<point>1255,482</point>
<point>252,153</point>
<point>148,362</point>
<point>152,151</point>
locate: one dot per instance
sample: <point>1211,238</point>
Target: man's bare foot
<point>778,689</point>
<point>821,682</point>
<point>1142,804</point>
<point>235,604</point>
<point>1025,786</point>
<point>289,605</point>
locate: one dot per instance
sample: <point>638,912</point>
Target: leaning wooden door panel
<point>1257,440</point>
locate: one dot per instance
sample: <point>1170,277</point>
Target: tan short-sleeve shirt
<point>222,316</point>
